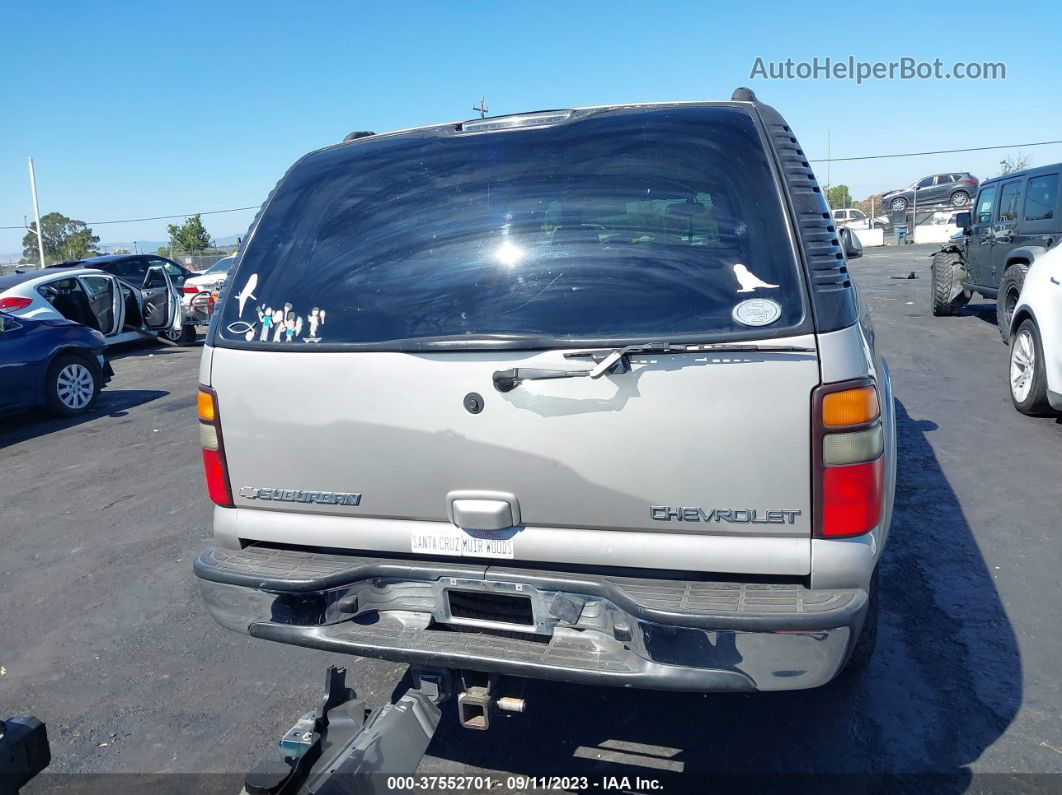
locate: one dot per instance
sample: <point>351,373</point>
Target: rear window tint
<point>622,225</point>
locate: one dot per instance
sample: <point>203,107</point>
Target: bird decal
<point>748,280</point>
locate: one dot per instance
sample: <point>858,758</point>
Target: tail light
<point>969,181</point>
<point>849,460</point>
<point>14,302</point>
<point>217,472</point>
<point>191,290</point>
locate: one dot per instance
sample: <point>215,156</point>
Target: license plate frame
<point>461,543</point>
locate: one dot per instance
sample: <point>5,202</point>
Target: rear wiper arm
<point>507,380</point>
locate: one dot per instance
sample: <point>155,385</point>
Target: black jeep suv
<point>1015,219</point>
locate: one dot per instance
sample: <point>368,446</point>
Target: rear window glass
<point>1040,198</point>
<point>621,225</point>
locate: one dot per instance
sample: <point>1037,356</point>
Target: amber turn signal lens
<point>206,406</point>
<point>850,407</point>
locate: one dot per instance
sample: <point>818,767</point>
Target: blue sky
<point>140,109</point>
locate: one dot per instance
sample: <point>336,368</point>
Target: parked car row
<point>124,297</point>
<point>111,305</point>
<point>1008,250</point>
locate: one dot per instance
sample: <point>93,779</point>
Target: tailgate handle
<point>482,510</point>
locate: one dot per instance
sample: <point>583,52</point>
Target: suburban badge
<point>297,495</point>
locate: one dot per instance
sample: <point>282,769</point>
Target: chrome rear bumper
<point>667,634</point>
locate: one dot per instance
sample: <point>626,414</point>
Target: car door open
<point>105,301</point>
<point>160,300</point>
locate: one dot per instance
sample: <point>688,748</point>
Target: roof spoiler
<point>358,134</point>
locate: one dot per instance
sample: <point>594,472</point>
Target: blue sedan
<point>57,364</point>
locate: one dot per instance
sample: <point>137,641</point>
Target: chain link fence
<point>199,262</point>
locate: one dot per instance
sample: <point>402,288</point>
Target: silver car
<point>586,395</point>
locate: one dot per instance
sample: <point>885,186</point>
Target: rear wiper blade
<point>608,359</point>
<point>615,360</point>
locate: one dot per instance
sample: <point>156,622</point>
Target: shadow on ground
<point>944,683</point>
<point>111,403</point>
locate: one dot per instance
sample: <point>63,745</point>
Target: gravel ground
<point>103,636</point>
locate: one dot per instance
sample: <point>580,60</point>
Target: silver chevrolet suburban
<point>586,395</point>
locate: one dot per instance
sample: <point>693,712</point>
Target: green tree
<point>838,196</point>
<point>64,239</point>
<point>191,237</point>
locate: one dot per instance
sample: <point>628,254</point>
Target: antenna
<point>482,107</point>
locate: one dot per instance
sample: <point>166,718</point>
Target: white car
<point>857,219</point>
<point>201,291</point>
<point>99,300</point>
<point>1036,338</point>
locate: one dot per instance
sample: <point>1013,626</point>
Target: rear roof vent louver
<point>831,287</point>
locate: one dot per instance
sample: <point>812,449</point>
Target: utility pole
<point>482,107</point>
<point>828,163</point>
<point>36,212</point>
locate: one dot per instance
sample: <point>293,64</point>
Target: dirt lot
<point>102,633</point>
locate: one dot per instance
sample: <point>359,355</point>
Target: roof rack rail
<point>358,134</point>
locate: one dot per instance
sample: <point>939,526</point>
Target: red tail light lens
<point>188,290</point>
<point>852,498</point>
<point>217,478</point>
<point>14,302</point>
<point>217,471</point>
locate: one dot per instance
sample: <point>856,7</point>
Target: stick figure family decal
<point>281,324</point>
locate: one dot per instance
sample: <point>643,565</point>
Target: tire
<point>946,266</point>
<point>71,385</point>
<point>186,336</point>
<point>1027,379</point>
<point>1009,291</point>
<point>960,198</point>
<point>899,204</point>
<point>863,650</point>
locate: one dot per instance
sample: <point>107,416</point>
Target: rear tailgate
<point>692,443</point>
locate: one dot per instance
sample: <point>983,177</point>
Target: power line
<point>817,160</point>
<point>935,152</point>
<point>155,218</point>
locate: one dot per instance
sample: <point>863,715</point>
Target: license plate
<point>464,543</point>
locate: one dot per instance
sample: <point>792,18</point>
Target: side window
<point>155,280</point>
<point>1008,202</point>
<point>985,201</point>
<point>54,290</point>
<point>132,270</point>
<point>838,214</point>
<point>175,272</point>
<point>944,179</point>
<point>1041,195</point>
<point>925,183</point>
<point>857,215</point>
<point>96,285</point>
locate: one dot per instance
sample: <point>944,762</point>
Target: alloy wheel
<point>1022,365</point>
<point>75,386</point>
